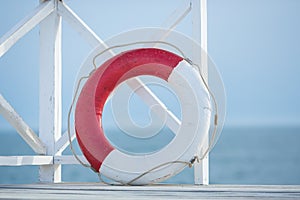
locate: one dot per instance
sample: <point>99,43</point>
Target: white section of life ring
<point>196,113</point>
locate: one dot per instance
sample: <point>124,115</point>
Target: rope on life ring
<point>193,94</point>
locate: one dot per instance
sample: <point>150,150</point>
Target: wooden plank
<point>7,111</point>
<point>99,191</point>
<point>69,160</point>
<point>50,91</point>
<point>204,165</point>
<point>40,160</point>
<point>24,26</point>
<point>25,160</point>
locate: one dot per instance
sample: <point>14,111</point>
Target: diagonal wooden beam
<point>178,15</point>
<point>63,142</point>
<point>175,18</point>
<point>79,25</point>
<point>24,26</point>
<point>7,111</point>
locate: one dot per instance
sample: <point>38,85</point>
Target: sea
<point>243,155</point>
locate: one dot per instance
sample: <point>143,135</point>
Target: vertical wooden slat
<point>201,170</point>
<point>50,91</point>
<point>204,167</point>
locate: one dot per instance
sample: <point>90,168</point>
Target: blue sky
<point>255,45</point>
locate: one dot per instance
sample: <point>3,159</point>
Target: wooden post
<point>50,91</point>
<point>199,7</point>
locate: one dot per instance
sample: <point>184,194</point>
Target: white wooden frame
<point>50,143</point>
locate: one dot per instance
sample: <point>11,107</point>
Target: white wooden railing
<point>51,142</point>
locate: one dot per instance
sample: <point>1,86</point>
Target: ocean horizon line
<point>226,126</point>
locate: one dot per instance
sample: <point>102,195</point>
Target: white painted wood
<point>201,170</point>
<point>204,165</point>
<point>24,26</point>
<point>203,39</point>
<point>79,25</point>
<point>7,111</point>
<point>63,142</point>
<point>68,160</point>
<point>25,160</point>
<point>177,15</point>
<point>89,191</point>
<point>96,188</point>
<point>50,91</point>
<point>174,19</point>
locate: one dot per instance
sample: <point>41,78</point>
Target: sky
<point>255,45</point>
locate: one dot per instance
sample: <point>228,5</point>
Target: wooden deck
<point>99,191</point>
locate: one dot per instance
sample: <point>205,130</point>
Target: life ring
<point>196,112</point>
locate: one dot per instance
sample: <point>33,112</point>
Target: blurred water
<point>243,155</point>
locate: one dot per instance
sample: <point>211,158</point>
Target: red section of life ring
<point>89,107</point>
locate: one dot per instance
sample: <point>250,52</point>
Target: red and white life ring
<point>196,112</point>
